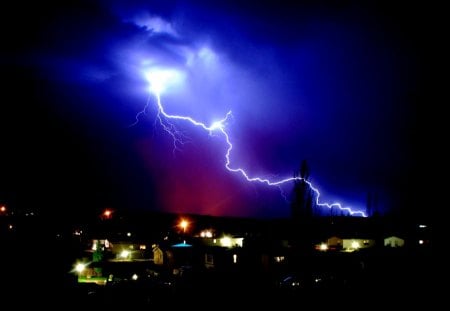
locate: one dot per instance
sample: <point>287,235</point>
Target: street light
<point>107,214</point>
<point>79,267</point>
<point>183,225</point>
<point>3,210</point>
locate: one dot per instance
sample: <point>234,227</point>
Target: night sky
<point>339,84</point>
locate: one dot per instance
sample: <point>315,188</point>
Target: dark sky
<point>339,84</point>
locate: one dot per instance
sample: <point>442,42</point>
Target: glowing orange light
<point>184,224</point>
<point>107,213</point>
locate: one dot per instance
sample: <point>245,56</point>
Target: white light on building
<point>225,241</point>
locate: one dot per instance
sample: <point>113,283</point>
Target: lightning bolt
<point>220,126</point>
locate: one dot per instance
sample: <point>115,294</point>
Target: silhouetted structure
<point>302,210</point>
<point>302,202</point>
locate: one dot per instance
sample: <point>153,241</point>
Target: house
<point>357,243</point>
<point>394,241</point>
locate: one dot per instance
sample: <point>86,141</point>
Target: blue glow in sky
<point>337,85</point>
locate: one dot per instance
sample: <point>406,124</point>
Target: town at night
<point>216,154</point>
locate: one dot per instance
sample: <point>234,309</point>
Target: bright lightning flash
<point>158,84</point>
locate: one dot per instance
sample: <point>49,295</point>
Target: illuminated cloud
<point>329,85</point>
<point>154,24</point>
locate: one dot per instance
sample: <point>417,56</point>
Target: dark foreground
<point>360,280</point>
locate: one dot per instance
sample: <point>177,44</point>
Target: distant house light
<point>124,254</point>
<point>206,234</point>
<point>225,241</point>
<point>355,244</point>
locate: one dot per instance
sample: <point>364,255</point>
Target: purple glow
<point>339,87</point>
<point>160,80</point>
